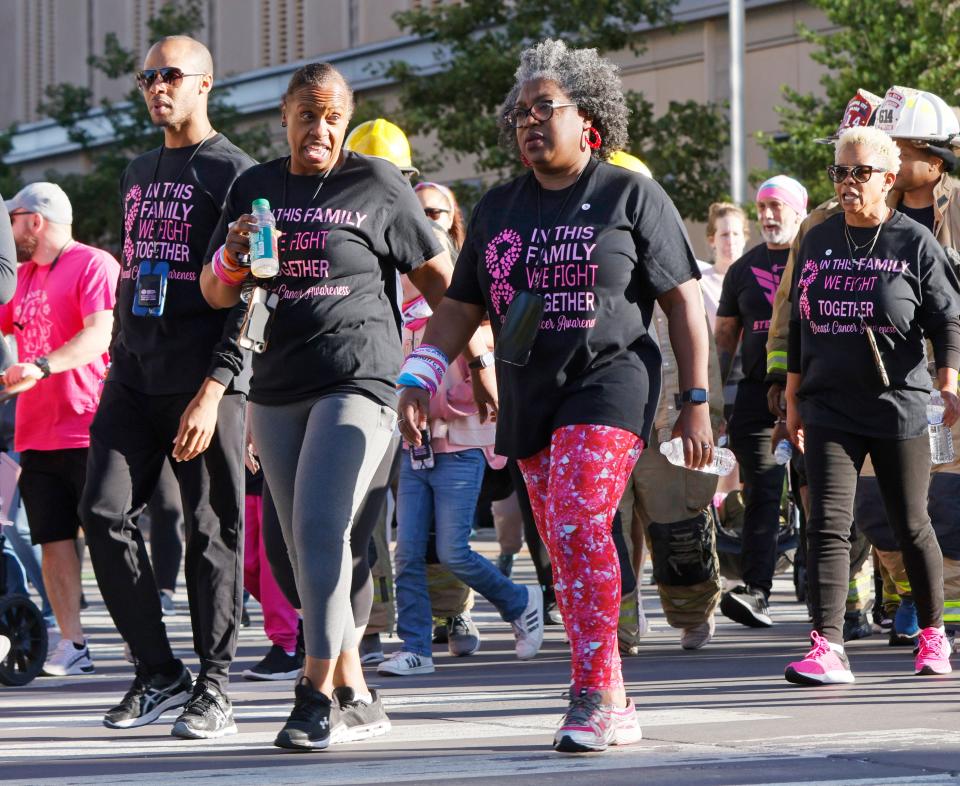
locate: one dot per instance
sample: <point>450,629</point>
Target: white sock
<point>366,697</point>
<point>837,648</point>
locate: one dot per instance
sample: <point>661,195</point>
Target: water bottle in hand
<point>722,463</point>
<point>783,452</point>
<point>941,439</point>
<point>264,258</point>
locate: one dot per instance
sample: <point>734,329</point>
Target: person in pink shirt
<point>62,317</point>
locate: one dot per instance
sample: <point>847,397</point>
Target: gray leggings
<point>319,456</point>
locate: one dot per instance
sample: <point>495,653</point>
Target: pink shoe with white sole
<point>821,666</point>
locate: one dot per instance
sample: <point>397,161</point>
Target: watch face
<point>696,396</point>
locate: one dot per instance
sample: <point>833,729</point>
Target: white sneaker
<point>4,647</point>
<point>402,664</point>
<point>528,627</point>
<point>698,636</point>
<point>66,659</point>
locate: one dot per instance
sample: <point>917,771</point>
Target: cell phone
<point>255,332</point>
<point>422,457</point>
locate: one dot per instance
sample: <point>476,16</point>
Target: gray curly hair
<point>591,82</point>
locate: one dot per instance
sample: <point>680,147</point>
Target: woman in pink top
<point>444,488</point>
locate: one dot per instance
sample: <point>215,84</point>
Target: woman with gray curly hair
<point>569,260</point>
<point>870,284</point>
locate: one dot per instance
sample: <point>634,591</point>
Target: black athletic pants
<point>834,459</point>
<point>130,439</point>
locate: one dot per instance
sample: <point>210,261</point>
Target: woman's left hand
<point>484,383</point>
<point>951,407</point>
<point>693,427</point>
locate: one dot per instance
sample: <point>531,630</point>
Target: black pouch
<point>519,331</point>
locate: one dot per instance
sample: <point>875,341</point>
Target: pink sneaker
<point>820,666</point>
<point>626,725</point>
<point>933,652</point>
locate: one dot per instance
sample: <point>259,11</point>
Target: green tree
<point>872,45</point>
<point>95,192</point>
<point>479,44</point>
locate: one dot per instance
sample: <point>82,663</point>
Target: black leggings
<point>834,459</point>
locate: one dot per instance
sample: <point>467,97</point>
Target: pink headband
<point>447,193</point>
<point>787,190</point>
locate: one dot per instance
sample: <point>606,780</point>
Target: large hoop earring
<point>593,138</point>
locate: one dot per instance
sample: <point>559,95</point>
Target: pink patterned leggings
<point>575,485</point>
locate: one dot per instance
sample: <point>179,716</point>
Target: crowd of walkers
<point>534,365</point>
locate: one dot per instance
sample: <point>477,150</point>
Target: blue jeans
<point>447,494</point>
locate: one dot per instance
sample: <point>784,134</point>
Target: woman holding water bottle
<point>327,351</point>
<point>870,284</point>
<point>568,260</point>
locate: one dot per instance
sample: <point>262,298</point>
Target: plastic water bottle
<point>722,463</point>
<point>264,258</point>
<point>783,452</point>
<point>941,439</point>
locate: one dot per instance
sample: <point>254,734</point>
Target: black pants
<point>834,459</point>
<point>130,439</point>
<point>166,528</point>
<point>762,489</point>
<point>538,550</point>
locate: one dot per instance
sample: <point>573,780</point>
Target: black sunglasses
<point>860,172</point>
<point>169,75</point>
<point>435,212</point>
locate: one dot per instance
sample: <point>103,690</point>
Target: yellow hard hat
<point>627,161</point>
<point>382,139</point>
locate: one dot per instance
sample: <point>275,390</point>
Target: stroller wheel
<point>22,623</point>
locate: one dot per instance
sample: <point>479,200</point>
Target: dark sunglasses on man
<point>169,75</point>
<point>861,173</point>
<point>434,213</point>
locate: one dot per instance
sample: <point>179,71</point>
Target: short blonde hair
<point>883,150</point>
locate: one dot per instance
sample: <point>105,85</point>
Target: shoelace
<point>308,709</point>
<point>202,702</point>
<point>458,626</point>
<point>582,709</point>
<point>929,646</point>
<point>820,646</point>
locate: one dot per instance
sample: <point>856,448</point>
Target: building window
<point>265,31</point>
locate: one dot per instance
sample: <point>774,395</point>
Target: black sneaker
<point>746,606</point>
<point>357,720</point>
<point>441,634</point>
<point>371,650</point>
<point>463,638</point>
<point>275,665</point>
<point>206,716</point>
<point>856,625</point>
<point>148,698</point>
<point>308,727</point>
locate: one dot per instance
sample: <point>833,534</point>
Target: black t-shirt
<point>169,212</point>
<point>901,290</point>
<point>922,215</point>
<point>336,327</point>
<point>748,291</point>
<point>609,245</point>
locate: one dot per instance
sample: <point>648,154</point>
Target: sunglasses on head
<point>435,212</point>
<point>169,75</point>
<point>861,173</point>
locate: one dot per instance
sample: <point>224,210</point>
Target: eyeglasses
<point>861,173</point>
<point>22,213</point>
<point>541,111</point>
<point>435,212</point>
<point>169,75</point>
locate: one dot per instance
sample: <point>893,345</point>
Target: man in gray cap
<point>62,316</point>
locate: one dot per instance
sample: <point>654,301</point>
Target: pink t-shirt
<point>48,310</point>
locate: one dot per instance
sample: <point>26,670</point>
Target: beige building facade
<point>256,44</point>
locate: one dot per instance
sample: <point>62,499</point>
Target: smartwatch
<point>44,365</point>
<point>694,396</point>
<point>484,361</point>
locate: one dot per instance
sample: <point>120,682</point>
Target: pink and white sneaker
<point>589,726</point>
<point>821,666</point>
<point>933,652</point>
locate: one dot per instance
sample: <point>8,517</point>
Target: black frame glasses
<point>434,212</point>
<point>21,213</point>
<point>541,111</point>
<point>169,75</point>
<point>861,173</point>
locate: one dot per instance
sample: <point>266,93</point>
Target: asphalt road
<point>723,715</point>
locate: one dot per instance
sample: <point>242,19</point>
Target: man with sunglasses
<point>176,389</point>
